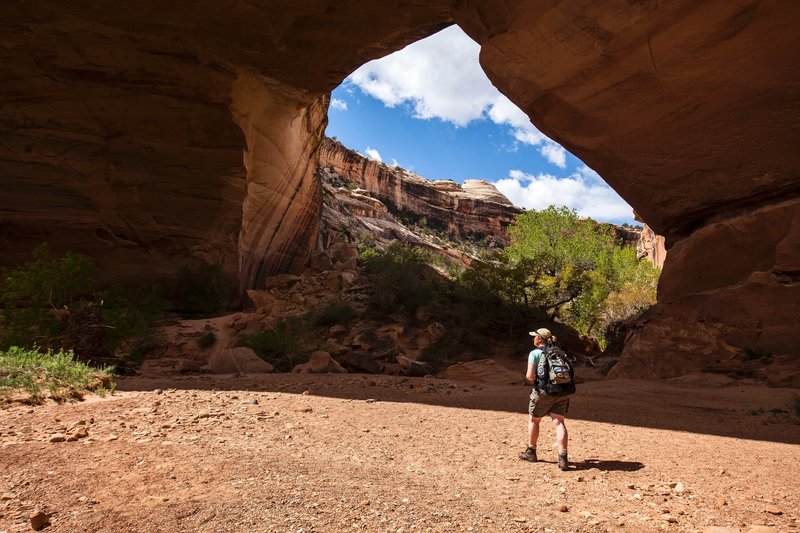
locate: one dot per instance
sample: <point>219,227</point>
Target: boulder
<point>360,361</point>
<point>240,360</point>
<point>319,363</point>
<point>412,367</point>
<point>483,371</point>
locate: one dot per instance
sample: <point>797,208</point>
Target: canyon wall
<point>474,209</point>
<point>149,133</point>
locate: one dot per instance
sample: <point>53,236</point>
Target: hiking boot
<point>528,455</point>
<point>563,463</point>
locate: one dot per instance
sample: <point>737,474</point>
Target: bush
<point>36,297</point>
<point>401,277</point>
<point>207,340</point>
<point>282,345</point>
<point>333,313</point>
<point>200,291</point>
<point>33,372</point>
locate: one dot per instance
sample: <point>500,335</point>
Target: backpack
<point>554,375</point>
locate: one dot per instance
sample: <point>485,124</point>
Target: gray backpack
<point>554,375</point>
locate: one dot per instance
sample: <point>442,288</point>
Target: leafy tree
<point>575,270</point>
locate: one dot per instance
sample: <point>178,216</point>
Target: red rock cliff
<point>474,209</point>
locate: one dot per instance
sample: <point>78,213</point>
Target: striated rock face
<point>122,130</point>
<point>475,209</point>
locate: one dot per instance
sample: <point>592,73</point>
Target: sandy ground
<point>379,453</point>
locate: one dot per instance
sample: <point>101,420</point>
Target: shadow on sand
<point>740,411</point>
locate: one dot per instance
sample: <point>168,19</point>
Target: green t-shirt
<point>534,357</point>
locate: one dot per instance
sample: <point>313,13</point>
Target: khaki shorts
<point>542,404</point>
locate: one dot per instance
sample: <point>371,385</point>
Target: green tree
<point>575,270</point>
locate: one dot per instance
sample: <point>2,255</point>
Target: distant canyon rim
<point>152,133</point>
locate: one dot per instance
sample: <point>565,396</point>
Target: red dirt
<point>381,453</point>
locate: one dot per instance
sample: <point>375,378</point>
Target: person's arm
<point>531,375</point>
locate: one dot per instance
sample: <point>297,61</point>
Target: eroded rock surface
<point>474,209</point>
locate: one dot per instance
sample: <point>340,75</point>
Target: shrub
<point>333,313</point>
<point>401,278</point>
<point>33,372</point>
<point>200,290</point>
<point>280,346</point>
<point>207,340</point>
<point>38,295</point>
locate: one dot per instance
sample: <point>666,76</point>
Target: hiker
<point>542,403</point>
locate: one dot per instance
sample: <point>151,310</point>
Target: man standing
<point>542,404</point>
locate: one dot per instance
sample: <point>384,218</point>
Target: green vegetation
<point>402,276</point>
<point>206,340</point>
<point>558,268</point>
<point>57,375</point>
<point>200,290</point>
<point>575,271</point>
<point>281,346</point>
<point>36,297</point>
<point>333,313</point>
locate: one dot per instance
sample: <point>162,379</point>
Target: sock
<point>531,447</point>
<point>562,453</point>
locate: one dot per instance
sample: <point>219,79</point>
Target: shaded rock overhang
<point>123,125</point>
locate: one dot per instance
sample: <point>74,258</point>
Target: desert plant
<point>38,295</point>
<point>333,313</point>
<point>207,340</point>
<point>401,278</point>
<point>280,346</point>
<point>200,290</point>
<point>57,373</point>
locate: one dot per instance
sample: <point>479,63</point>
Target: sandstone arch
<point>123,128</point>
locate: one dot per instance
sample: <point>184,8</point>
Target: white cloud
<point>440,77</point>
<point>373,154</point>
<point>554,153</point>
<point>394,163</point>
<point>583,191</point>
<point>340,105</point>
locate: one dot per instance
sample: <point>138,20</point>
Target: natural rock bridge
<point>123,124</point>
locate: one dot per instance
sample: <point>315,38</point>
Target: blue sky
<point>429,108</point>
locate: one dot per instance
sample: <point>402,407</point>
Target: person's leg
<point>533,435</point>
<point>562,439</point>
<point>533,431</point>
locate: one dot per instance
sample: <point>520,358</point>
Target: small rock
<point>771,509</point>
<point>678,488</point>
<point>521,520</point>
<point>721,501</point>
<point>669,518</point>
<point>8,496</point>
<point>370,400</point>
<point>39,519</point>
<point>58,437</point>
<point>111,438</point>
<point>306,392</point>
<point>303,410</point>
<point>631,485</point>
<point>563,508</point>
<point>158,391</point>
<point>253,402</point>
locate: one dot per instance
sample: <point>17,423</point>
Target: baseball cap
<point>544,333</point>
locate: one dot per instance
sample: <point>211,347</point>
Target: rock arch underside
<point>145,133</point>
